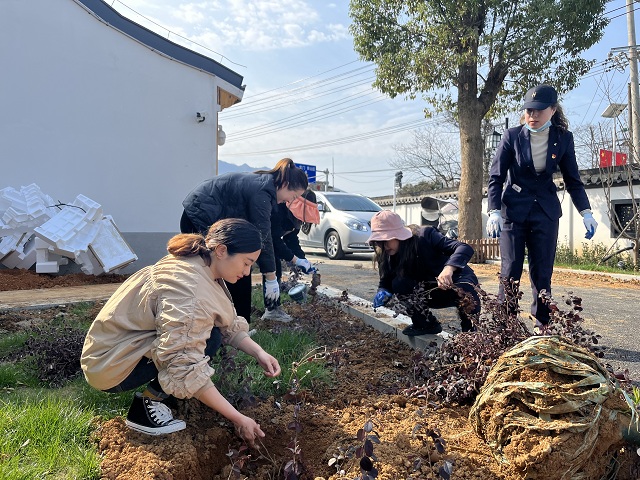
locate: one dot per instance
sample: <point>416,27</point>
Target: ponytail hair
<point>238,235</point>
<point>559,119</point>
<point>286,172</point>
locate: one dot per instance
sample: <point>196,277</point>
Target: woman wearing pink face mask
<point>286,222</point>
<point>251,196</point>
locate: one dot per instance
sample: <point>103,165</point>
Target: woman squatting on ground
<point>165,322</point>
<point>406,257</point>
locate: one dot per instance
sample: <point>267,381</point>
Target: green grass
<point>46,432</point>
<point>288,347</point>
<point>45,436</point>
<point>590,256</point>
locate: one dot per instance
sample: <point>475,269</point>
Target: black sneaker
<point>430,328</point>
<point>151,417</point>
<point>467,326</point>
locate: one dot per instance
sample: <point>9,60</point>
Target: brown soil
<point>371,371</point>
<point>19,279</point>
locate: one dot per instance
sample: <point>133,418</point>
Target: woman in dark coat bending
<point>250,196</point>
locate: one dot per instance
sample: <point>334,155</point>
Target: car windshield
<point>353,203</point>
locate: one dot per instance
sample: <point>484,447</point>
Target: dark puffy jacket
<point>284,232</point>
<point>434,252</point>
<point>236,195</point>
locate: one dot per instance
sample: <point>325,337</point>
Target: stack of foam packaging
<point>34,229</point>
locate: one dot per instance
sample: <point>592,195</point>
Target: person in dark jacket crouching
<point>406,257</point>
<point>251,196</point>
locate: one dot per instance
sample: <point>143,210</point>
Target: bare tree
<point>624,218</point>
<point>432,158</point>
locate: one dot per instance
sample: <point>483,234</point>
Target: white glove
<point>271,292</point>
<point>494,224</point>
<point>305,265</point>
<point>590,224</point>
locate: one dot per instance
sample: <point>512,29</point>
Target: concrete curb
<point>383,320</point>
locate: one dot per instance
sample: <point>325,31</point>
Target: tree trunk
<point>472,153</point>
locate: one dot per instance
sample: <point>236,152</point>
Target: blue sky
<point>308,96</point>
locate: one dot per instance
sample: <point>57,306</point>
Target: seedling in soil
<point>239,458</point>
<point>294,467</point>
<point>364,451</point>
<point>439,444</point>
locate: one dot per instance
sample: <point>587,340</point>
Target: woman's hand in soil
<point>248,430</point>
<point>268,363</point>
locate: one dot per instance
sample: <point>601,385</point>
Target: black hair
<point>286,171</point>
<point>404,262</point>
<point>237,234</point>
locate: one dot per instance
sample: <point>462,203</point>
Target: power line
<point>169,32</point>
<point>412,125</point>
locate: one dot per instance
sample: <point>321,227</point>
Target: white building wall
<point>86,109</point>
<point>571,229</point>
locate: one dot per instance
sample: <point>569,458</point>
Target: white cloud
<point>248,24</point>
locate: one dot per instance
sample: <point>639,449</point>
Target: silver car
<point>345,224</point>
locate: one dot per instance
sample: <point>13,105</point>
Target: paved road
<point>614,313</point>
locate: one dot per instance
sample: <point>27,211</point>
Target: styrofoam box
<point>110,248</point>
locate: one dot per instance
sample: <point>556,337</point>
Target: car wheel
<point>333,247</point>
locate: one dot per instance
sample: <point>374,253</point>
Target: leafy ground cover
<point>379,390</point>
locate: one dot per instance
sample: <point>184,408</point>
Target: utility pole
<point>397,183</point>
<point>333,175</point>
<point>635,94</point>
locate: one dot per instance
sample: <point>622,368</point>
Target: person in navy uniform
<point>524,209</point>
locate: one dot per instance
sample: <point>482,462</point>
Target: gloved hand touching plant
<point>381,298</point>
<point>304,265</point>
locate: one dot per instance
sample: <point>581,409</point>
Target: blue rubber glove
<point>494,224</point>
<point>305,265</point>
<point>590,224</point>
<point>382,297</point>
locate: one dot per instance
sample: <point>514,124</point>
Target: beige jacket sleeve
<point>187,308</point>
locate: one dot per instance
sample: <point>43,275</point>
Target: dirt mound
<point>371,371</point>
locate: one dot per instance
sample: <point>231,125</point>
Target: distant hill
<point>225,167</point>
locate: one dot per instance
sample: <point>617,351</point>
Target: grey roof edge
<point>591,177</point>
<point>156,42</point>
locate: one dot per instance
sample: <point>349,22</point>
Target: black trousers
<point>539,235</point>
<point>439,298</point>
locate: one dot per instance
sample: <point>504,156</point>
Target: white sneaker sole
<point>174,426</point>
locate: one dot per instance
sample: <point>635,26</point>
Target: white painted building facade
<point>92,103</point>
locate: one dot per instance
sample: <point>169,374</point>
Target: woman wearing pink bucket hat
<point>406,257</point>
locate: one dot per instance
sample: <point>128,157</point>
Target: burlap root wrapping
<point>550,410</point>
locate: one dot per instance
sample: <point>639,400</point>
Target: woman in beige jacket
<point>161,327</point>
